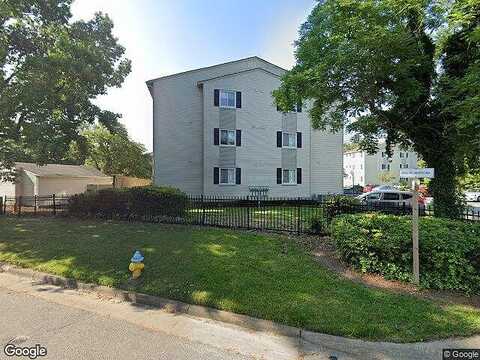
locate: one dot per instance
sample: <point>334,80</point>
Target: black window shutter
<point>299,140</point>
<point>238,138</point>
<point>299,175</point>
<point>279,139</point>
<point>216,136</point>
<point>278,108</point>
<point>239,100</point>
<point>216,175</point>
<point>238,176</point>
<point>216,97</point>
<point>279,175</point>
<point>299,107</point>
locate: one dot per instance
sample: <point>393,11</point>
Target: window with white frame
<point>227,137</point>
<point>289,140</point>
<point>227,98</point>
<point>289,176</point>
<point>227,176</point>
<point>401,154</point>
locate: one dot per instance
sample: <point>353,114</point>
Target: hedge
<point>379,243</point>
<point>137,202</point>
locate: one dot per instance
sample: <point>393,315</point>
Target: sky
<point>164,37</point>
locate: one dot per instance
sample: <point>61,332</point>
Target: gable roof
<point>254,58</point>
<point>57,170</point>
<point>237,73</point>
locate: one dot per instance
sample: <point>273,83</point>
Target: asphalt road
<point>71,333</point>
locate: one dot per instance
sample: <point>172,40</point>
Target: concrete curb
<point>164,304</point>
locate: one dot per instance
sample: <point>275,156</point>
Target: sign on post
<point>415,174</point>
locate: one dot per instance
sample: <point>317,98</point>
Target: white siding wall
<point>327,162</point>
<point>7,189</point>
<point>178,124</point>
<point>183,141</point>
<point>258,157</point>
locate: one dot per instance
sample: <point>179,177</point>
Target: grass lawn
<point>265,217</point>
<point>266,276</point>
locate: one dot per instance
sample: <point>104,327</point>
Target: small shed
<point>50,179</point>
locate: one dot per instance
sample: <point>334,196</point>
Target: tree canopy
<point>113,153</point>
<point>51,68</point>
<point>404,70</point>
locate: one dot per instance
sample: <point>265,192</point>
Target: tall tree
<point>51,68</point>
<point>113,153</point>
<point>406,70</point>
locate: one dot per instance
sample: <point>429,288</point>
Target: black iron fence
<point>298,215</point>
<point>33,205</point>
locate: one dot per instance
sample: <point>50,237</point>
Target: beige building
<point>363,169</point>
<point>50,179</point>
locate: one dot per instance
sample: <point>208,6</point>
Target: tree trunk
<point>444,186</point>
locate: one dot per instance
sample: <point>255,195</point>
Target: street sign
<point>417,173</point>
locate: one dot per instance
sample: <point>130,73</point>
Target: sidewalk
<point>227,338</point>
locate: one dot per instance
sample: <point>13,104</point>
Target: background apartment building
<point>362,169</point>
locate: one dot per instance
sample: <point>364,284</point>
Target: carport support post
<point>416,258</point>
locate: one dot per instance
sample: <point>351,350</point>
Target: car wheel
<point>478,199</point>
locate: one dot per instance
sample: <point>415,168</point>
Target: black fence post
<point>5,205</point>
<point>1,206</point>
<point>248,212</point>
<point>35,205</point>
<point>54,205</point>
<point>19,205</point>
<point>299,214</point>
<point>203,209</point>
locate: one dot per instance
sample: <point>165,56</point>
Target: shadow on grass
<point>262,276</point>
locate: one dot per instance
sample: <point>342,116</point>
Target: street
<point>70,333</point>
<point>78,325</point>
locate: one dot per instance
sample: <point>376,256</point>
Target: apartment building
<point>362,169</point>
<point>217,131</point>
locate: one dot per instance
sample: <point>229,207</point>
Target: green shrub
<point>378,243</point>
<point>158,201</point>
<point>339,204</point>
<point>149,201</point>
<point>318,224</point>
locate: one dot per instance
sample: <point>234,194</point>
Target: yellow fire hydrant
<point>136,264</point>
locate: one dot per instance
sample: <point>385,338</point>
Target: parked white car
<point>472,195</point>
<point>387,197</point>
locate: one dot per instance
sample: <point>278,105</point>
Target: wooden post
<point>416,257</point>
<point>54,205</point>
<point>5,205</point>
<point>35,205</point>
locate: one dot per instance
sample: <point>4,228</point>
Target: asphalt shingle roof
<point>60,170</point>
